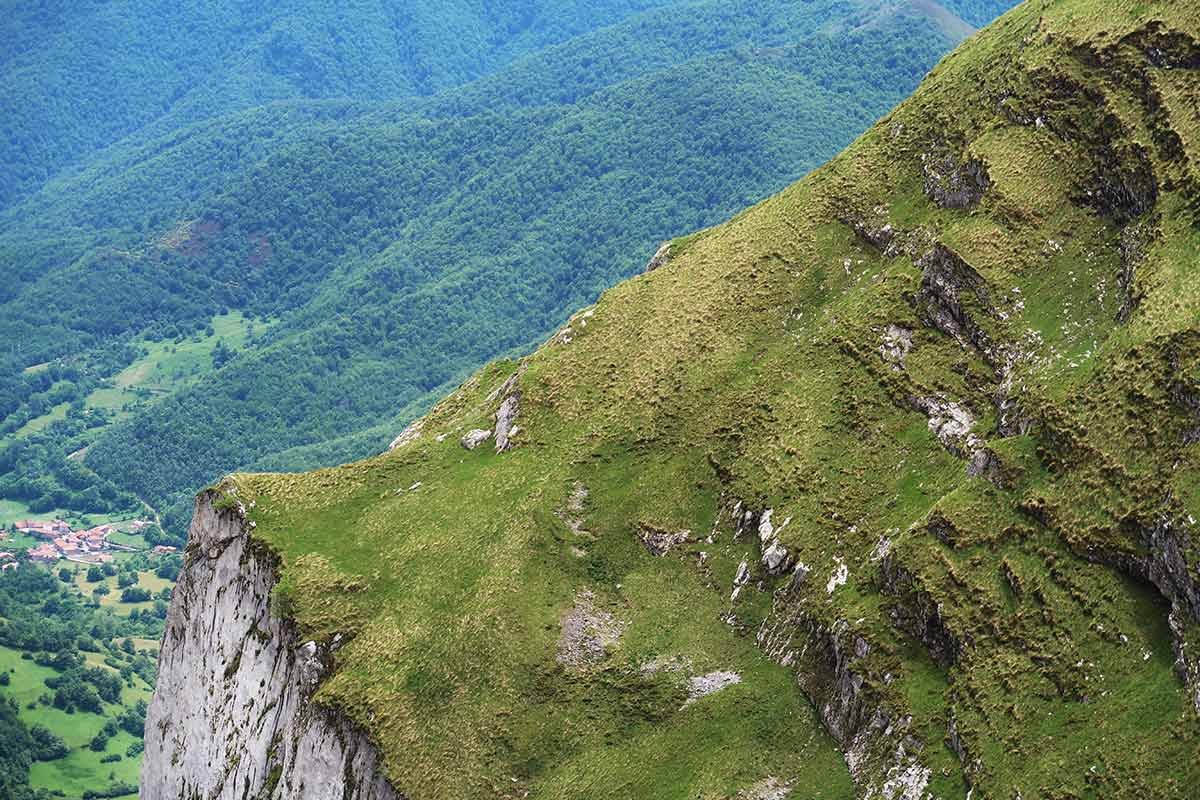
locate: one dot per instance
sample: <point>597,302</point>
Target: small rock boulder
<point>660,542</point>
<point>474,438</point>
<point>704,685</point>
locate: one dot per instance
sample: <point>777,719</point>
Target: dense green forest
<point>167,65</point>
<point>378,230</point>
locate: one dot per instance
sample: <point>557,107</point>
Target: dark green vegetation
<point>378,229</point>
<point>167,65</point>
<point>920,434</point>
<point>77,666</point>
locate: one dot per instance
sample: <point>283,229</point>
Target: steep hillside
<point>901,461</point>
<point>393,248</point>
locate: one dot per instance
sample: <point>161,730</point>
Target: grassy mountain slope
<point>921,430</point>
<point>396,247</point>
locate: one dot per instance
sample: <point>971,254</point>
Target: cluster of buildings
<point>7,561</point>
<point>46,529</point>
<point>89,546</point>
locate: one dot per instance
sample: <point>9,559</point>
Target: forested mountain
<point>76,77</point>
<point>331,260</point>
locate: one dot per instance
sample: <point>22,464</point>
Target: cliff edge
<point>232,715</point>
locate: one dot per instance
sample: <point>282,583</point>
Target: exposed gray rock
<point>985,464</point>
<point>710,683</point>
<point>775,557</point>
<point>883,757</point>
<point>948,285</point>
<point>897,342</point>
<point>740,579</point>
<point>474,438</point>
<point>768,788</point>
<point>506,417</point>
<point>839,576</point>
<point>409,435</point>
<point>1186,397</point>
<point>906,780</point>
<point>1162,562</point>
<point>952,182</point>
<point>660,257</point>
<point>800,574</point>
<point>232,715</point>
<point>953,425</point>
<point>879,233</point>
<point>660,542</point>
<point>506,388</point>
<point>572,512</point>
<point>1124,185</point>
<point>918,614</point>
<point>587,633</point>
<point>1136,240</point>
<point>665,664</point>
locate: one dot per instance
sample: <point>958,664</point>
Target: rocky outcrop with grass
<point>902,464</point>
<point>233,714</point>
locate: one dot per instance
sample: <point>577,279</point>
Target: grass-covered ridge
<point>395,244</point>
<point>956,365</point>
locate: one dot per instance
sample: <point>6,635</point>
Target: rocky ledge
<point>232,714</point>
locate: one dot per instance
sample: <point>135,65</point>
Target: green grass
<point>11,511</point>
<point>129,540</point>
<point>81,768</point>
<point>146,580</point>
<point>20,541</point>
<point>168,366</point>
<point>39,423</point>
<point>749,371</point>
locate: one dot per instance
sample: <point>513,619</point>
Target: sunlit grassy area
<point>146,580</point>
<point>752,372</point>
<point>168,365</point>
<point>39,423</point>
<point>81,769</point>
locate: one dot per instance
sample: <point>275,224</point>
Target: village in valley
<point>57,541</point>
<point>84,600</point>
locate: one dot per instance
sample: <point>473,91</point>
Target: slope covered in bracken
<point>903,462</point>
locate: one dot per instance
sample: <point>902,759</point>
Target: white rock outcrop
<point>474,438</point>
<point>232,715</point>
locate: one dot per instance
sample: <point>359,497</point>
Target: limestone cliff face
<point>231,715</point>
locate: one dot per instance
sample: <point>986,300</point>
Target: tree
<point>220,354</point>
<point>135,594</point>
<point>65,575</point>
<point>133,720</point>
<point>47,745</point>
<point>95,575</point>
<point>66,659</point>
